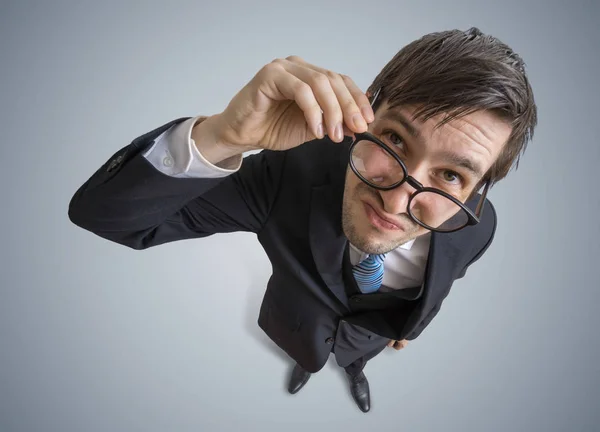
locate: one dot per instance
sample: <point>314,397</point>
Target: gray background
<point>98,337</point>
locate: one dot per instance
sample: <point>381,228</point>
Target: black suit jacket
<point>292,200</point>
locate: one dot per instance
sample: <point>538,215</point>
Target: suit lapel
<point>326,235</point>
<point>445,253</point>
<point>441,262</point>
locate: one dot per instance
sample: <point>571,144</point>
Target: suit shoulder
<point>479,236</point>
<point>489,218</point>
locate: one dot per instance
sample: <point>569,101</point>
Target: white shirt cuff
<point>175,154</point>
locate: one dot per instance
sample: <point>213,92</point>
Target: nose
<point>395,201</point>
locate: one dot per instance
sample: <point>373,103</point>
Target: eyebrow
<point>397,117</point>
<point>464,162</point>
<point>453,158</point>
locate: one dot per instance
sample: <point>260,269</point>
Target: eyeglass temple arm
<point>480,205</point>
<point>375,96</point>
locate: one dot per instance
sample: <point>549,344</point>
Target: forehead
<point>481,134</point>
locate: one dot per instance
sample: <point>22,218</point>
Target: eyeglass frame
<point>473,217</point>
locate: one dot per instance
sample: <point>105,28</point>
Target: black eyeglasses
<point>377,165</point>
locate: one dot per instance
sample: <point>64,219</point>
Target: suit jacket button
<point>115,162</point>
<point>329,340</point>
<point>356,299</point>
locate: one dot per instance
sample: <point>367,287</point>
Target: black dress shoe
<point>359,387</point>
<point>298,379</point>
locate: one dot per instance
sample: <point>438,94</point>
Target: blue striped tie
<point>369,273</point>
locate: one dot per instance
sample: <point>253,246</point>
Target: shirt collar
<point>406,246</point>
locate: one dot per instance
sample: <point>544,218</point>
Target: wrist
<point>206,137</point>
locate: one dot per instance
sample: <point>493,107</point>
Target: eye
<point>394,138</point>
<point>452,177</point>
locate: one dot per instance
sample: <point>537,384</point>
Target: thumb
<point>348,132</point>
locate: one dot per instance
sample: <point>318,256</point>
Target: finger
<point>325,95</point>
<point>348,132</point>
<point>401,344</point>
<point>391,343</point>
<point>352,115</point>
<point>360,98</point>
<point>349,96</point>
<point>293,88</point>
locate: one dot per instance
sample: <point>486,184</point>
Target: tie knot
<point>369,273</point>
<point>376,259</point>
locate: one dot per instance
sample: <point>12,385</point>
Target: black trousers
<point>356,367</point>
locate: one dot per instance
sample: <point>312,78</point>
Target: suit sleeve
<point>128,201</point>
<point>425,322</point>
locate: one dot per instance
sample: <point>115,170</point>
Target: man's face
<point>457,153</point>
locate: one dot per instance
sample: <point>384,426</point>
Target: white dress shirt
<point>175,154</point>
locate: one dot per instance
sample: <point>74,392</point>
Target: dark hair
<point>457,73</point>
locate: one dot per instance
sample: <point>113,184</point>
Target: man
<point>367,205</point>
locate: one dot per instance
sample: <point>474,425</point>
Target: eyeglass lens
<point>379,168</point>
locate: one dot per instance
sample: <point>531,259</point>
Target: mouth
<point>380,221</point>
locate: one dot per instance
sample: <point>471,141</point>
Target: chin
<point>370,240</point>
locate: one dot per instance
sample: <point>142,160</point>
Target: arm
<point>131,202</point>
